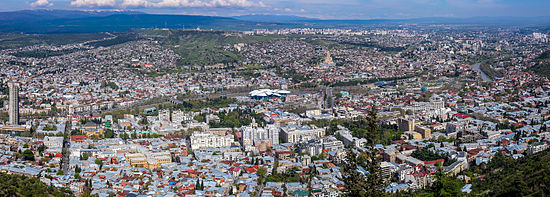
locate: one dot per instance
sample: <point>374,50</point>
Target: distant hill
<point>72,21</point>
<point>273,18</point>
<point>118,22</point>
<point>44,15</point>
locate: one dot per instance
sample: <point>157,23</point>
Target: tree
<point>84,156</point>
<point>18,185</point>
<point>445,185</point>
<point>28,155</point>
<point>197,185</point>
<point>261,173</point>
<point>372,182</point>
<point>98,162</point>
<point>109,133</point>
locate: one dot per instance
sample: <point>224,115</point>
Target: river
<point>483,75</point>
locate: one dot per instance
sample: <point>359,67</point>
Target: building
<point>91,128</point>
<point>318,146</point>
<point>424,131</point>
<point>302,133</point>
<point>405,124</point>
<point>328,62</point>
<point>164,115</point>
<point>202,140</point>
<point>266,94</point>
<point>254,136</point>
<point>14,103</point>
<point>144,158</point>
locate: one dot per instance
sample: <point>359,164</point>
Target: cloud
<point>135,3</point>
<point>41,3</point>
<point>93,3</point>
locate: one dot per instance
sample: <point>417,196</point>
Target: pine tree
<point>197,185</point>
<point>371,183</point>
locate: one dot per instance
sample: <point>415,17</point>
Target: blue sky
<point>325,9</point>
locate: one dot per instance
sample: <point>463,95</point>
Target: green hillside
<point>17,185</point>
<point>528,176</point>
<point>205,47</point>
<point>543,65</point>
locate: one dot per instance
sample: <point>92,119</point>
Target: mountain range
<point>72,21</point>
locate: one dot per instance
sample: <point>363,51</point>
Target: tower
<point>14,103</point>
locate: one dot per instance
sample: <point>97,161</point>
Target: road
<point>483,75</point>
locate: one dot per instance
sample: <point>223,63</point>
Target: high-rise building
<point>14,103</point>
<point>405,124</point>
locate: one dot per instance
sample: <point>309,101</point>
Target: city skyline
<point>346,9</point>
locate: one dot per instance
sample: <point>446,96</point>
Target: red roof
<point>461,116</point>
<point>75,138</point>
<point>434,162</point>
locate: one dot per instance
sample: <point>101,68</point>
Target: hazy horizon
<point>321,9</point>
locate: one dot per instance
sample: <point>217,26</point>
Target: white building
<point>295,134</point>
<point>252,136</point>
<point>201,140</point>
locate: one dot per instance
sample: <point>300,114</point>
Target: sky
<point>323,9</point>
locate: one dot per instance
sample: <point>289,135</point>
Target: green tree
<point>445,185</point>
<point>109,133</point>
<point>84,156</point>
<point>371,183</point>
<point>28,155</point>
<point>261,173</point>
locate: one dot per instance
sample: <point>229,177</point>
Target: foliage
<point>508,177</point>
<point>371,183</point>
<point>120,39</point>
<point>84,156</point>
<point>206,47</point>
<point>290,175</point>
<point>426,155</point>
<point>292,74</point>
<point>109,133</point>
<point>197,105</point>
<point>367,81</point>
<point>375,45</point>
<point>28,155</point>
<point>42,53</point>
<point>22,40</point>
<point>110,84</point>
<point>444,185</point>
<point>490,71</point>
<point>542,66</point>
<point>50,128</point>
<point>237,118</point>
<point>17,185</point>
<point>357,127</point>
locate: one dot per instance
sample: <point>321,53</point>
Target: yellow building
<point>151,161</point>
<point>137,160</point>
<point>425,132</point>
<point>410,135</point>
<point>91,128</point>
